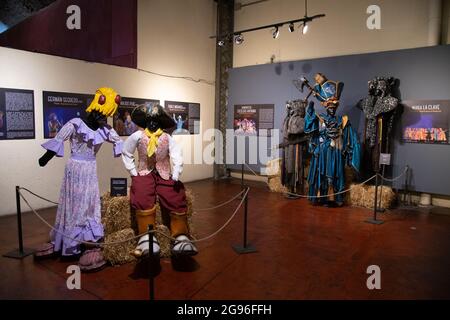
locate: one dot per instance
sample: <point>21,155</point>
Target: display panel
<point>250,119</point>
<point>426,121</point>
<point>61,107</point>
<point>186,116</point>
<point>16,114</point>
<point>122,119</point>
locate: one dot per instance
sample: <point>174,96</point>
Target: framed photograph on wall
<point>122,119</point>
<point>186,116</point>
<point>61,107</point>
<point>253,119</point>
<point>426,121</point>
<point>16,114</point>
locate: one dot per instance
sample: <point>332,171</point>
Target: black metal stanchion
<point>374,219</point>
<point>21,252</point>
<point>242,177</point>
<point>151,279</point>
<point>379,207</point>
<point>245,248</point>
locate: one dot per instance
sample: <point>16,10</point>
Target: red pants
<point>145,189</point>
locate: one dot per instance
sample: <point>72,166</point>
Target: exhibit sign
<point>186,116</point>
<point>118,187</point>
<point>16,114</point>
<point>61,107</point>
<point>426,121</point>
<point>253,119</point>
<point>122,119</point>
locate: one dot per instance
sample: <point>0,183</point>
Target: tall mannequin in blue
<point>333,144</point>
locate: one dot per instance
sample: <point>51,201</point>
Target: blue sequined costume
<point>333,144</point>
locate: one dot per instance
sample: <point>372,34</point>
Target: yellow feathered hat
<point>106,101</point>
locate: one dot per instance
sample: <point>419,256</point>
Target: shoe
<point>143,249</point>
<point>92,260</point>
<point>44,251</point>
<point>182,246</point>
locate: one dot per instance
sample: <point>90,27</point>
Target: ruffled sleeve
<point>57,143</point>
<point>114,138</point>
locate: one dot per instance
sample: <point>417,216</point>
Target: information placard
<point>61,107</point>
<point>16,114</point>
<point>186,116</point>
<point>122,119</point>
<point>253,119</point>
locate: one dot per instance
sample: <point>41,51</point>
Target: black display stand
<point>245,247</point>
<point>21,252</point>
<point>375,207</point>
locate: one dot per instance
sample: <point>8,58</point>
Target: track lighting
<point>220,43</point>
<point>239,39</point>
<point>275,32</point>
<point>304,27</point>
<point>291,27</point>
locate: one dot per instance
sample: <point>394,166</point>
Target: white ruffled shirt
<point>129,149</point>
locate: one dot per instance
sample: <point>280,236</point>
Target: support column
<point>224,61</point>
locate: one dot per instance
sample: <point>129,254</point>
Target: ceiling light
<point>275,33</point>
<point>239,39</point>
<point>221,43</point>
<point>291,27</point>
<point>304,28</point>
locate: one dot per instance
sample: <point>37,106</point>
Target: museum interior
<point>225,149</point>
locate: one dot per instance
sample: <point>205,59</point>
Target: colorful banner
<point>16,114</point>
<point>426,121</point>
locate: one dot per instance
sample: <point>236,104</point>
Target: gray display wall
<point>424,73</point>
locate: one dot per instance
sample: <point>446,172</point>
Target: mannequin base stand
<point>243,250</point>
<point>19,254</point>
<point>374,221</point>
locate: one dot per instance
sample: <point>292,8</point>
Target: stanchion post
<point>374,219</point>
<point>242,177</point>
<point>150,264</point>
<point>21,252</point>
<point>245,248</point>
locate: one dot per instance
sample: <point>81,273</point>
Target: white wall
<point>404,24</point>
<point>172,39</point>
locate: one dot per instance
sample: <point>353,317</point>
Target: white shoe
<point>183,246</point>
<point>143,249</point>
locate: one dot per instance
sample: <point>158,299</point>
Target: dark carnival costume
<point>333,143</point>
<point>380,109</point>
<point>293,146</point>
<point>155,178</point>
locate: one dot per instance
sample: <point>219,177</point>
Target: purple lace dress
<point>78,213</point>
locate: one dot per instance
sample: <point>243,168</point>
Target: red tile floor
<point>304,252</point>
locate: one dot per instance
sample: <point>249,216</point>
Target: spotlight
<point>239,39</point>
<point>275,33</point>
<point>304,28</point>
<point>291,27</point>
<point>221,43</point>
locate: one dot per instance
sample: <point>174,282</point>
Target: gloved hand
<point>46,158</point>
<point>178,185</point>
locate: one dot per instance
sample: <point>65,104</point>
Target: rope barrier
<point>396,178</point>
<point>102,244</point>
<point>336,193</point>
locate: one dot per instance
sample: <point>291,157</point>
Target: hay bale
<point>120,223</point>
<point>364,196</point>
<point>273,167</point>
<point>275,185</point>
<point>118,254</point>
<point>117,214</point>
